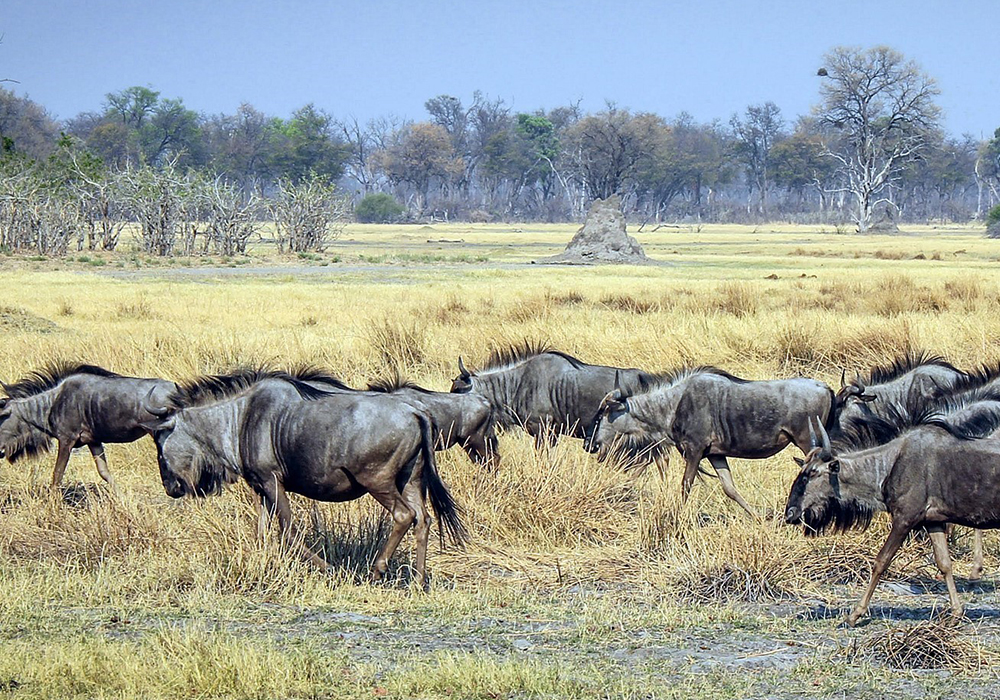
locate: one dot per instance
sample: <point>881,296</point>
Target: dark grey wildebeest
<point>915,380</point>
<point>707,413</point>
<point>76,405</point>
<point>283,435</point>
<point>465,420</point>
<point>546,392</point>
<point>932,475</point>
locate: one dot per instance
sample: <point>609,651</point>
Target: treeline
<point>477,161</point>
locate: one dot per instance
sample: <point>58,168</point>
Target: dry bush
<point>527,310</point>
<point>744,561</point>
<point>138,309</point>
<point>740,299</point>
<point>571,298</point>
<point>396,344</point>
<point>80,524</point>
<point>898,294</point>
<point>797,346</point>
<point>889,255</point>
<point>630,304</point>
<point>940,643</point>
<point>872,344</point>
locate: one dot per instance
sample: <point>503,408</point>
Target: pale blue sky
<point>708,57</point>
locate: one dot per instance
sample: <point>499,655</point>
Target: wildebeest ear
<point>799,461</point>
<point>835,466</point>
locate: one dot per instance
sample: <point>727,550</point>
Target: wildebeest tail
<point>448,512</point>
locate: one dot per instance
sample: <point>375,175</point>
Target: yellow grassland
<point>131,594</point>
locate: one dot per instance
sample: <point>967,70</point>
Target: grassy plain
<point>580,581</point>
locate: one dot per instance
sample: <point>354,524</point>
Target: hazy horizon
<point>378,58</point>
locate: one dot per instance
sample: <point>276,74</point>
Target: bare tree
<point>878,108</point>
<point>308,214</point>
<point>232,215</point>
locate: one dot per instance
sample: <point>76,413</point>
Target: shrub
<point>993,222</point>
<point>378,208</point>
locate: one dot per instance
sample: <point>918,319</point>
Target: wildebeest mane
<point>218,387</point>
<point>512,354</point>
<point>395,382</point>
<point>669,378</point>
<point>869,430</point>
<point>978,378</point>
<point>49,377</point>
<point>309,373</point>
<point>899,366</point>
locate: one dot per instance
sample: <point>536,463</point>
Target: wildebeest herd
<point>917,438</point>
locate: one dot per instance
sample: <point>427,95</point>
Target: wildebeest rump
<point>283,435</point>
<point>930,476</point>
<point>76,405</point>
<point>546,392</point>
<point>708,413</point>
<point>459,419</point>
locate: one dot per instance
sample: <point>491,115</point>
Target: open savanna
<point>580,580</point>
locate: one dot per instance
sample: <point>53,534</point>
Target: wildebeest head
<point>816,500</point>
<point>186,467</point>
<point>855,390</point>
<point>18,437</point>
<point>463,382</point>
<point>616,431</point>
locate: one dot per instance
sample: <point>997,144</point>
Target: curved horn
<point>824,438</point>
<point>813,442</point>
<point>152,409</point>
<point>618,384</point>
<point>843,377</point>
<point>461,368</point>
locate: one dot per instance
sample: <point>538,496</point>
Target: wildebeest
<point>930,476</point>
<point>915,381</point>
<point>708,413</point>
<point>76,405</point>
<point>283,435</point>
<point>459,419</point>
<point>546,392</point>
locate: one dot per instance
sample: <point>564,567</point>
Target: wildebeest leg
<point>482,452</point>
<point>728,486</point>
<point>422,529</point>
<point>402,517</point>
<point>275,500</point>
<point>976,572</point>
<point>691,460</point>
<point>97,451</point>
<point>263,517</point>
<point>892,544</point>
<point>62,459</point>
<point>939,541</point>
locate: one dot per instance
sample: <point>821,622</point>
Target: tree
<point>878,109</point>
<point>312,146</point>
<point>308,214</point>
<point>422,152</point>
<point>755,137</point>
<point>25,127</point>
<point>378,208</point>
<point>609,146</point>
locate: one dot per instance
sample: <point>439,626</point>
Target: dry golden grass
<point>542,521</point>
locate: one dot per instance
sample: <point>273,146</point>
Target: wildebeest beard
<point>836,516</point>
<point>635,452</point>
<point>28,442</point>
